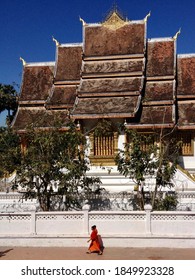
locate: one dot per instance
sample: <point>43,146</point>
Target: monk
<point>95,245</point>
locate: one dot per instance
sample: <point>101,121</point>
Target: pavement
<point>70,253</point>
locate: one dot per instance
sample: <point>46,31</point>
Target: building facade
<point>119,76</point>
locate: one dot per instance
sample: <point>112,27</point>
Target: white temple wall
<point>121,141</point>
<point>117,228</point>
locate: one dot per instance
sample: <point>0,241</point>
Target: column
<point>148,209</point>
<point>86,209</point>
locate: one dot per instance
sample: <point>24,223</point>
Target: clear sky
<point>27,27</point>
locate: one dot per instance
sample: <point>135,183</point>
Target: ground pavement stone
<point>60,253</point>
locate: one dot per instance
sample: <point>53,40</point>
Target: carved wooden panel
<point>110,85</point>
<point>113,66</point>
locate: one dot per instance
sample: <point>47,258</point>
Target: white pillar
<point>33,220</point>
<point>148,209</point>
<point>86,209</point>
<point>121,141</point>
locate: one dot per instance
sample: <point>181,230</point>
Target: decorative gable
<point>114,21</point>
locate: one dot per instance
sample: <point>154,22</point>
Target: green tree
<point>8,101</point>
<point>10,152</point>
<point>54,156</point>
<point>143,157</point>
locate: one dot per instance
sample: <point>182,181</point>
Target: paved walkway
<point>53,253</point>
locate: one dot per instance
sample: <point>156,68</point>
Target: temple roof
<point>106,107</point>
<point>66,76</point>
<point>161,55</point>
<point>116,72</point>
<point>68,62</point>
<point>112,69</point>
<point>62,97</point>
<point>186,114</point>
<point>160,88</point>
<point>38,117</point>
<point>186,91</point>
<point>160,91</point>
<point>162,114</point>
<point>186,76</point>
<point>125,66</point>
<point>37,82</point>
<point>103,41</point>
<point>108,84</point>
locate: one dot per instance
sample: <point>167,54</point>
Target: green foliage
<point>8,101</point>
<point>167,203</point>
<point>54,156</point>
<point>135,162</point>
<point>143,157</point>
<point>10,155</point>
<point>103,128</point>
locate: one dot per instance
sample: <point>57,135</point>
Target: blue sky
<point>27,27</point>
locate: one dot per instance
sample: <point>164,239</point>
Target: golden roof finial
<point>147,16</point>
<point>114,20</point>
<point>23,61</point>
<point>83,22</point>
<point>176,35</point>
<point>57,43</point>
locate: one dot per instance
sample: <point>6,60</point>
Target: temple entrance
<point>103,144</point>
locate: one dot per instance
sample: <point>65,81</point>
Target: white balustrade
<point>118,223</point>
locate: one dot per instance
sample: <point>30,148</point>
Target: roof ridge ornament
<point>177,34</point>
<point>147,16</point>
<point>57,43</point>
<point>82,20</point>
<point>23,61</point>
<point>114,21</point>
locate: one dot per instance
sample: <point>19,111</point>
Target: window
<point>186,143</point>
<point>104,145</point>
<point>103,149</point>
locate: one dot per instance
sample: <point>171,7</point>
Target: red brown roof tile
<point>101,40</point>
<point>37,82</point>
<point>161,58</point>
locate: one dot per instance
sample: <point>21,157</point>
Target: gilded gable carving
<point>114,21</point>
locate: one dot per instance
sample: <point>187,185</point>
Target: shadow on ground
<point>3,253</point>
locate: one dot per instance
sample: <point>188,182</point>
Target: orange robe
<point>94,245</point>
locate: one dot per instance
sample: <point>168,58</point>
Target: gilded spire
<point>57,43</point>
<point>177,34</point>
<point>115,18</point>
<point>23,61</point>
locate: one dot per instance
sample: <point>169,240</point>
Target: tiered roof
<point>36,84</point>
<point>115,73</point>
<point>66,77</point>
<point>112,69</point>
<point>159,97</point>
<point>186,91</point>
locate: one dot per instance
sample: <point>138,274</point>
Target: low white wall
<point>118,229</point>
<point>60,223</point>
<point>16,223</point>
<point>119,222</point>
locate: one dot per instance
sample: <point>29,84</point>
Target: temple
<point>116,75</point>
